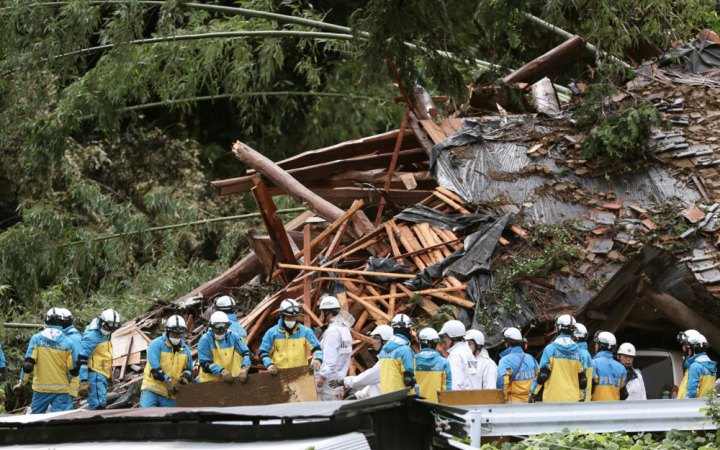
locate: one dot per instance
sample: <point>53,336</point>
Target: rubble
<point>477,205</point>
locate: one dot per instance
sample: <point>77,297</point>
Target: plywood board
<point>475,397</point>
<point>289,385</point>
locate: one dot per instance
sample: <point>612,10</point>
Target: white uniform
<point>636,387</point>
<point>366,384</point>
<point>336,344</point>
<point>486,376</point>
<point>463,366</point>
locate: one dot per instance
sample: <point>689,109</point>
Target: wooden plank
<point>454,300</point>
<point>320,171</point>
<point>374,311</point>
<point>451,202</point>
<point>346,271</point>
<point>471,397</point>
<point>409,293</point>
<point>393,164</point>
<point>311,314</point>
<point>273,224</point>
<point>307,282</point>
<point>450,194</point>
<point>391,301</point>
<point>360,322</point>
<point>345,217</point>
<point>288,386</point>
<point>391,238</point>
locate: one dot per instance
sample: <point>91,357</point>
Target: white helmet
<point>53,316</point>
<point>606,339</point>
<point>329,302</point>
<point>109,320</point>
<point>428,335</point>
<point>475,335</point>
<point>565,323</point>
<point>697,341</point>
<point>512,335</point>
<point>384,331</point>
<point>401,321</point>
<point>626,348</point>
<point>219,323</point>
<point>225,304</point>
<point>176,324</point>
<point>289,307</point>
<point>66,317</point>
<point>453,329</point>
<point>580,332</point>
<point>683,336</point>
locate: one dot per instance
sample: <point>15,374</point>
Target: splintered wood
<point>341,266</point>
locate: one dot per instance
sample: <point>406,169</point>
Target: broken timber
<point>548,63</point>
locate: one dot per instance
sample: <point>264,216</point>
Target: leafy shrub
<point>622,137</point>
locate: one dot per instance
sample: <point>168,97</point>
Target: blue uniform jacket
<point>288,349</point>
<point>702,372</point>
<point>207,343</point>
<point>237,328</point>
<point>430,360</point>
<point>91,338</point>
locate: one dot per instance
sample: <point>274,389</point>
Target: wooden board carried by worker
<point>474,397</point>
<point>289,385</point>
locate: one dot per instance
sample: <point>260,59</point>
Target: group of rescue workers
<point>65,364</point>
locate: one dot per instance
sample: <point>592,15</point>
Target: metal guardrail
<point>629,416</point>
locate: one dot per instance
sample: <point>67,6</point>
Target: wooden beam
<point>622,309</point>
<point>292,187</point>
<point>420,134</point>
<point>347,271</point>
<point>393,164</point>
<point>323,171</point>
<point>274,225</point>
<point>547,63</point>
<point>679,313</point>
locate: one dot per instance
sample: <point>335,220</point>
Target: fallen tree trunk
<point>279,177</point>
<point>548,63</point>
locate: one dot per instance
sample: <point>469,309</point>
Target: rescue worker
<point>609,375</point>
<point>367,384</point>
<point>580,335</point>
<point>336,345</point>
<point>287,344</point>
<point>66,322</point>
<point>701,371</point>
<point>227,304</point>
<point>517,370</point>
<point>50,356</point>
<point>486,376</point>
<point>462,362</point>
<point>561,375</point>
<point>96,358</point>
<point>169,363</point>
<point>431,369</point>
<point>3,380</point>
<point>397,362</point>
<point>635,384</point>
<point>682,338</point>
<point>222,353</point>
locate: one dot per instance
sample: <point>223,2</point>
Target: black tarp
<point>435,218</point>
<point>697,56</point>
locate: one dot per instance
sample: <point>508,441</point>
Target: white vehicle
<point>662,371</point>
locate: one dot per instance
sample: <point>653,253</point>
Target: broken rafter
<point>548,63</point>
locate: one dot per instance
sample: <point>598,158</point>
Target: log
<point>292,187</point>
<point>347,271</point>
<point>679,312</point>
<point>548,63</point>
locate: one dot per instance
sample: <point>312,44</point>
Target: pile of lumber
<point>416,246</point>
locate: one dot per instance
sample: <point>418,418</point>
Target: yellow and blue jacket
<point>396,362</point>
<point>432,372</point>
<point>166,362</point>
<point>231,353</point>
<point>700,376</point>
<point>237,328</point>
<point>75,337</point>
<point>609,378</point>
<point>586,394</point>
<point>516,373</point>
<point>288,348</point>
<point>563,360</point>
<point>53,356</point>
<point>96,352</point>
